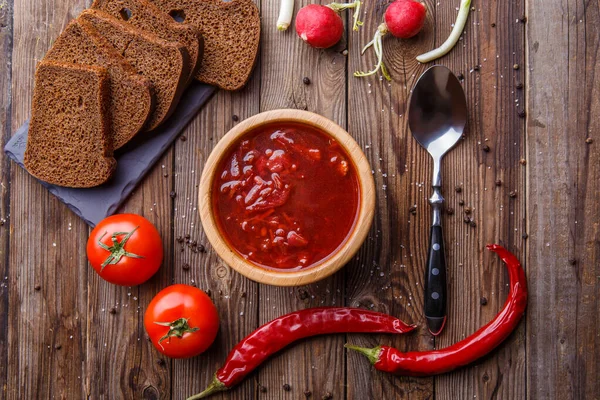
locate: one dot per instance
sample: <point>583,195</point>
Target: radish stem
<point>459,25</point>
<point>377,44</point>
<point>337,7</point>
<point>285,14</point>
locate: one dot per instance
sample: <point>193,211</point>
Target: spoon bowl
<point>437,117</point>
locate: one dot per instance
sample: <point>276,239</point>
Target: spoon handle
<point>435,282</point>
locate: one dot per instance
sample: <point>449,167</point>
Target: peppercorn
<point>287,387</point>
<point>208,292</point>
<point>37,287</point>
<point>572,261</point>
<point>302,294</point>
<point>413,210</point>
<point>461,76</point>
<point>523,19</point>
<point>450,211</point>
<point>166,175</point>
<point>58,346</point>
<point>522,114</point>
<point>112,310</point>
<point>468,210</point>
<point>461,202</point>
<point>183,138</point>
<point>186,267</point>
<point>523,161</point>
<point>307,393</point>
<point>458,189</point>
<point>483,301</point>
<point>512,194</point>
<point>235,118</point>
<point>473,224</point>
<point>179,239</point>
<point>486,148</point>
<point>466,220</point>
<point>516,67</point>
<point>306,80</point>
<point>498,182</point>
<point>201,248</point>
<point>493,24</point>
<point>589,140</point>
<point>525,236</point>
<point>243,295</point>
<point>187,236</point>
<point>160,362</point>
<point>262,388</point>
<point>173,195</point>
<point>476,68</point>
<point>519,86</point>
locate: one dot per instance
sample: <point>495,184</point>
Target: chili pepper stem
<point>215,386</point>
<point>377,45</point>
<point>337,7</point>
<point>371,354</point>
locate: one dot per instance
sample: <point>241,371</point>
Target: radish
<point>321,26</point>
<point>403,19</point>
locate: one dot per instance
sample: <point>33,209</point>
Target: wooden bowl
<point>326,266</point>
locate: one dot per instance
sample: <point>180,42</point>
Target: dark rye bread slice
<point>69,141</point>
<point>130,94</point>
<point>231,31</point>
<point>164,63</point>
<point>146,16</point>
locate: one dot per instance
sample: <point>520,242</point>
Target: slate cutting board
<point>134,161</point>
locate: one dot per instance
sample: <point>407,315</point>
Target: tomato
<point>182,321</point>
<point>125,249</point>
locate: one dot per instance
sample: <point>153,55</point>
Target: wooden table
<point>529,169</point>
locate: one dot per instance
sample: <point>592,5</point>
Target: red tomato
<point>125,249</point>
<point>182,321</point>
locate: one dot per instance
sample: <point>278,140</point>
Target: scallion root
<point>337,7</point>
<point>377,45</point>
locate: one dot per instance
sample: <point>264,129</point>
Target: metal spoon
<point>437,117</point>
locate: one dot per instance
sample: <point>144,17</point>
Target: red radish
<point>321,26</point>
<point>403,19</point>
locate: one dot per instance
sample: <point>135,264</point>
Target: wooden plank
<point>316,365</point>
<point>6,36</point>
<point>486,56</point>
<point>47,328</point>
<point>235,297</point>
<point>563,101</point>
<point>121,363</point>
<point>388,273</point>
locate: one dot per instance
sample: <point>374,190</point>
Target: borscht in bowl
<point>287,197</point>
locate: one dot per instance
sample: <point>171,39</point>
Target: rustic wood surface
<point>58,338</point>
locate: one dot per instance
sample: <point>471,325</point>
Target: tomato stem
<point>117,250</point>
<point>176,328</point>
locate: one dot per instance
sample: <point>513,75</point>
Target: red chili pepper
<point>467,350</point>
<point>273,336</point>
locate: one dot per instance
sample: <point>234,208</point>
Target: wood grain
<point>124,362</point>
<point>235,296</point>
<point>476,274</point>
<point>52,341</point>
<point>388,273</point>
<point>316,365</point>
<point>6,37</point>
<point>47,332</point>
<point>563,105</point>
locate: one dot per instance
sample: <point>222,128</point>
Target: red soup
<point>286,196</point>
